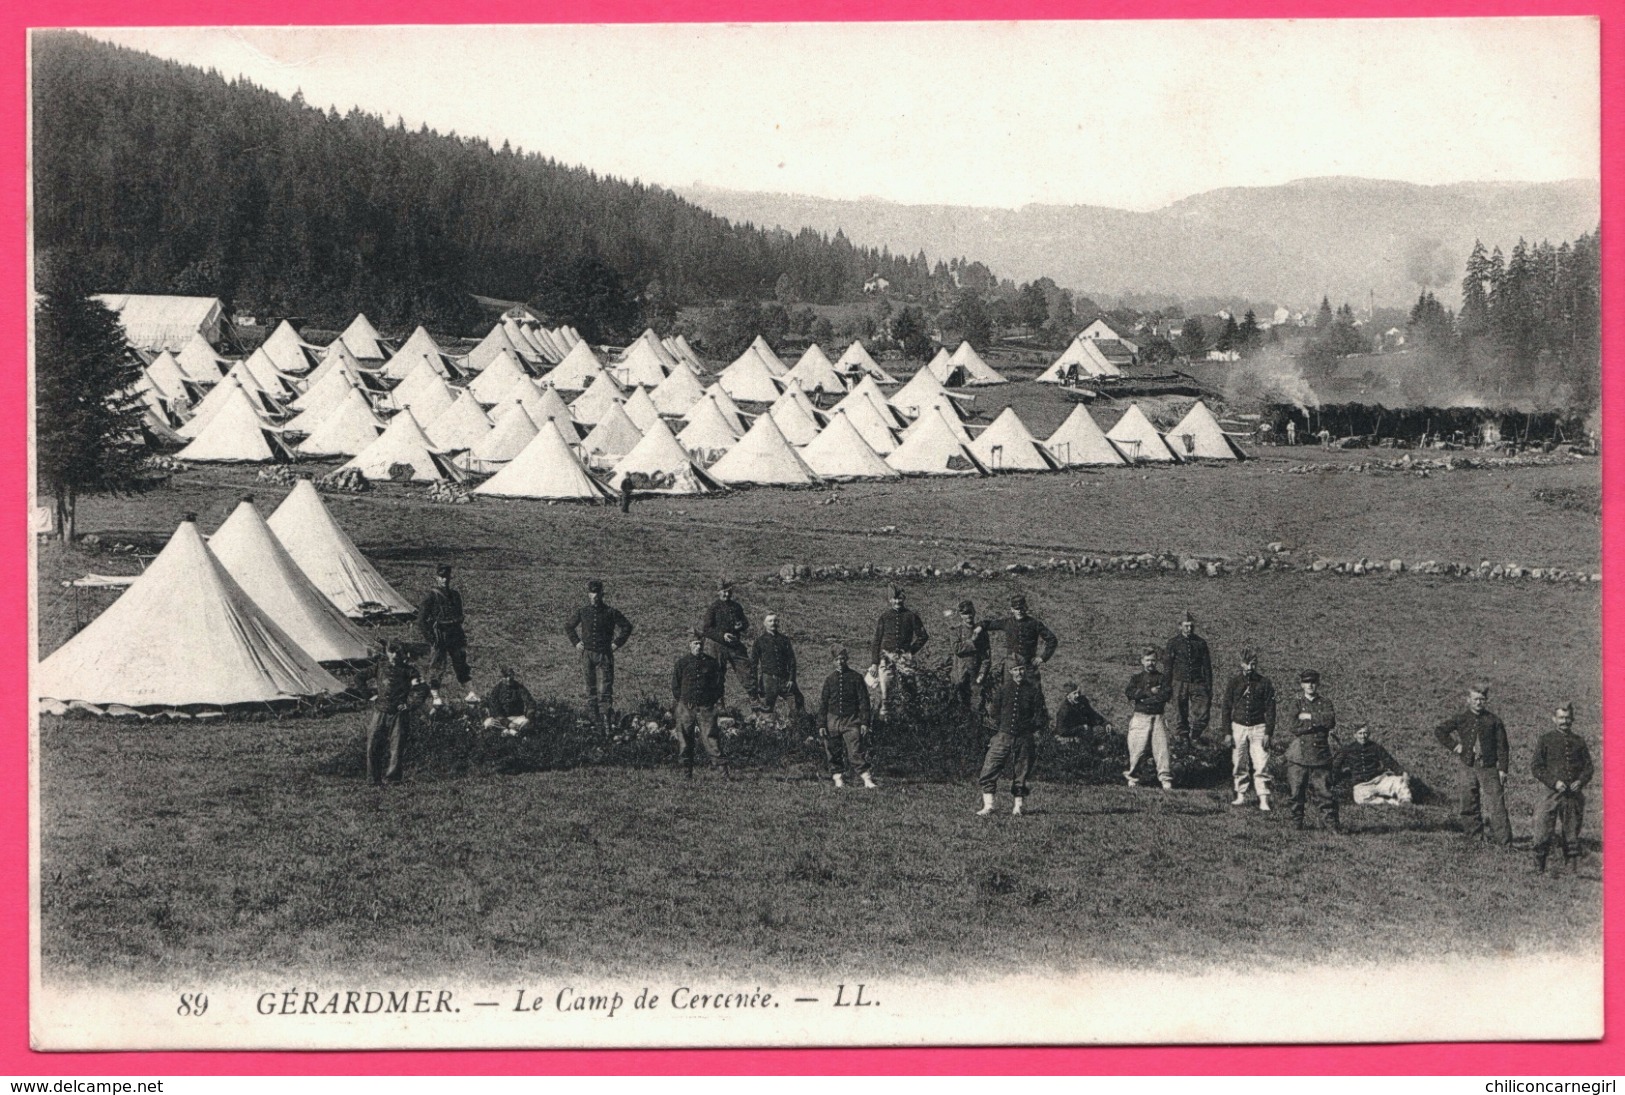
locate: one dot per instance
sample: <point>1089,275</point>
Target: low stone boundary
<point>1424,467</point>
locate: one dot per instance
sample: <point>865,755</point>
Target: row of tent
<point>255,614</point>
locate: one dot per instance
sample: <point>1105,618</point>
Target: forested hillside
<point>164,178</point>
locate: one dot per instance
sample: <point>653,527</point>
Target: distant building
<point>1101,331</point>
<point>878,284</point>
<point>1282,315</point>
<point>166,323</point>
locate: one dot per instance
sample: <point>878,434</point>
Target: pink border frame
<point>1551,1059</point>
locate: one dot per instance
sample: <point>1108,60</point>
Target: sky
<point>1131,115</point>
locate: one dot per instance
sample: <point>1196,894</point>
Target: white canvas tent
<point>419,347</point>
<point>264,371</point>
<point>158,322</point>
<point>236,434</point>
<point>763,458</point>
<point>595,402</point>
<point>256,559</point>
<point>495,341</point>
<point>839,452</point>
<point>1088,357</point>
<point>577,371</point>
<point>814,372</point>
<point>1138,439</point>
<point>774,363</point>
<point>798,426</point>
<point>462,425</point>
<point>508,438</point>
<point>424,393</point>
<point>1007,445</point>
<point>364,341</point>
<point>644,363</point>
<point>170,380</point>
<point>199,362</point>
<point>641,409</point>
<point>724,403</point>
<point>867,391</point>
<point>977,372</point>
<point>932,449</point>
<point>346,430</point>
<point>1200,437</point>
<point>750,379</point>
<point>290,353</point>
<point>547,468</point>
<point>873,425</point>
<point>324,394</point>
<point>950,414</point>
<point>183,634</point>
<point>708,433</point>
<point>678,393</point>
<point>659,465</point>
<point>528,351</point>
<point>501,373</point>
<point>403,447</point>
<point>613,436</point>
<point>1080,442</point>
<point>857,354</point>
<point>920,392</point>
<point>330,559</point>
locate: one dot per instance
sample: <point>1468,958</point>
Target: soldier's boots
<point>1017,811</point>
<point>987,806</point>
<point>840,781</point>
<point>868,781</point>
<point>1264,803</point>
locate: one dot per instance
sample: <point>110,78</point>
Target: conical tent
<point>870,422</point>
<point>502,372</point>
<point>330,559</point>
<point>815,373</point>
<point>920,391</point>
<point>169,379</point>
<point>613,436</point>
<point>659,465</point>
<point>641,409</point>
<point>363,340</point>
<point>1079,441</point>
<point>236,434</point>
<point>336,358</point>
<point>222,393</point>
<point>1138,438</point>
<point>577,371</point>
<point>419,347</point>
<point>950,414</point>
<point>495,341</point>
<point>724,403</point>
<point>708,433</point>
<point>642,364</point>
<point>978,372</point>
<point>322,397</point>
<point>774,363</point>
<point>802,400</point>
<point>1200,437</point>
<point>594,403</point>
<point>461,426</point>
<point>857,354</point>
<point>256,559</point>
<point>687,354</point>
<point>543,403</point>
<point>527,350</point>
<point>545,469</point>
<point>793,421</point>
<point>346,431</point>
<point>749,379</point>
<point>199,362</point>
<point>668,360</point>
<point>1007,445</point>
<point>183,634</point>
<point>508,438</point>
<point>677,393</point>
<point>947,371</point>
<point>932,449</point>
<point>290,353</point>
<point>763,458</point>
<point>423,393</point>
<point>403,448</point>
<point>264,371</point>
<point>262,399</point>
<point>868,391</point>
<point>840,452</point>
<point>1088,358</point>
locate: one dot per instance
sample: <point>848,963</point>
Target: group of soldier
<point>1006,693</point>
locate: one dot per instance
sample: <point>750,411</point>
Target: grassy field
<point>229,846</point>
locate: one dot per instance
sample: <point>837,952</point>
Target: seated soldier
<point>1076,717</point>
<point>509,705</point>
<point>1377,777</point>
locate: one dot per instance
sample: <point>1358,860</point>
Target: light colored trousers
<point>1384,791</point>
<point>1250,758</point>
<point>1149,732</point>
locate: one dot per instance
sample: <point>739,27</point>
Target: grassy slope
<point>171,848</point>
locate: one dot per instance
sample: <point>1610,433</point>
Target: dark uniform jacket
<point>845,696</point>
<point>725,618</point>
<point>1023,637</point>
<point>1311,745</point>
<point>1189,660</point>
<point>1149,692</point>
<point>399,685</point>
<point>440,617</point>
<point>972,651</point>
<point>1018,709</point>
<point>1562,756</point>
<point>1249,699</point>
<point>1362,763</point>
<point>773,656</point>
<point>1482,737</point>
<point>599,628</point>
<point>696,680</point>
<point>899,631</point>
<point>1074,719</point>
<point>510,698</point>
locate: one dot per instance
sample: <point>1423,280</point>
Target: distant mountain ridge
<point>1341,236</point>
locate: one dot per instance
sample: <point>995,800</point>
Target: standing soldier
<point>1563,764</point>
<point>725,626</point>
<point>1190,671</point>
<point>843,718</point>
<point>399,688</point>
<point>598,631</point>
<point>972,653</point>
<point>1309,756</point>
<point>440,619</point>
<point>899,631</point>
<point>696,686</point>
<point>1479,739</point>
<point>1027,642</point>
<point>1018,715</point>
<point>626,494</point>
<point>773,668</point>
<point>1148,691</point>
<point>1249,712</point>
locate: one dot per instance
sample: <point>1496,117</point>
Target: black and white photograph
<point>816,534</point>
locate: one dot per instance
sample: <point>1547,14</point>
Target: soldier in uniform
<point>440,619</point>
<point>696,686</point>
<point>972,654</point>
<point>399,689</point>
<point>773,668</point>
<point>597,631</point>
<point>1479,740</point>
<point>1076,718</point>
<point>1018,715</point>
<point>1190,670</point>
<point>1249,712</point>
<point>509,705</point>
<point>899,631</point>
<point>725,626</point>
<point>1309,755</point>
<point>1563,764</point>
<point>843,718</point>
<point>1148,691</point>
